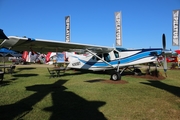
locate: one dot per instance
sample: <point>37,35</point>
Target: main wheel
<point>115,76</point>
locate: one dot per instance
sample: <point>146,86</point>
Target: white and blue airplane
<point>99,58</point>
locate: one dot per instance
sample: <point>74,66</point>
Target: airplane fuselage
<point>111,60</point>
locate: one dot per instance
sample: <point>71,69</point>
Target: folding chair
<point>1,76</point>
<point>63,69</point>
<point>52,73</point>
<point>11,69</point>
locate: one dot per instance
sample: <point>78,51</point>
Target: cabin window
<point>100,55</point>
<point>94,58</point>
<point>106,57</point>
<point>116,54</point>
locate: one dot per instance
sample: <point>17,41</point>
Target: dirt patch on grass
<point>146,77</point>
<point>149,77</point>
<point>107,81</point>
<point>115,82</point>
<point>152,76</point>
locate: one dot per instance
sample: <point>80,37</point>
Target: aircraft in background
<point>99,58</point>
<point>58,57</point>
<point>34,57</point>
<point>173,58</point>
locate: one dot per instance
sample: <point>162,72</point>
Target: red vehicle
<point>171,59</point>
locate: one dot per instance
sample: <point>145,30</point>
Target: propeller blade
<point>164,41</point>
<point>164,47</point>
<point>165,65</point>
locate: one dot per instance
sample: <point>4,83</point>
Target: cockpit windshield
<point>121,49</point>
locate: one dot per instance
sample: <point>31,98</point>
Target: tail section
<point>2,35</point>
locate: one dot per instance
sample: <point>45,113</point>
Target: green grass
<point>29,94</point>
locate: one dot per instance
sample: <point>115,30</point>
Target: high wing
<point>41,45</point>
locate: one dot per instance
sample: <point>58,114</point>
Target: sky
<point>91,21</point>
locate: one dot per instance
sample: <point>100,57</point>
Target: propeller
<point>164,48</point>
<point>164,41</point>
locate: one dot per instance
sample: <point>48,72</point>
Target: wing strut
<point>118,62</point>
<point>100,58</point>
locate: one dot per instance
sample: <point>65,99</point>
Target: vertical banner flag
<point>118,21</point>
<point>67,28</point>
<point>176,28</point>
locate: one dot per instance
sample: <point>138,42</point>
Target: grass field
<point>29,94</point>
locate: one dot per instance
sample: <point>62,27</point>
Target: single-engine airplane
<point>99,57</point>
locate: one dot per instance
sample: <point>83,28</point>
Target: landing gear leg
<point>116,75</point>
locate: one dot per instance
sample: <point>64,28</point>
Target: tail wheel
<point>115,76</point>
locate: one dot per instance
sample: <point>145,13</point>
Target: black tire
<point>115,76</point>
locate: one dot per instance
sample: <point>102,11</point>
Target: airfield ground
<point>145,76</point>
<point>30,94</point>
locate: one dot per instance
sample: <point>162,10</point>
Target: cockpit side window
<point>106,57</point>
<point>93,58</point>
<point>100,55</point>
<point>116,54</point>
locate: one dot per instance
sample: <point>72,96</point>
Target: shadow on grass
<point>26,68</point>
<point>83,71</point>
<point>107,72</point>
<point>66,105</point>
<point>158,84</point>
<point>95,80</point>
<point>25,75</point>
<point>4,83</point>
<point>80,72</point>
